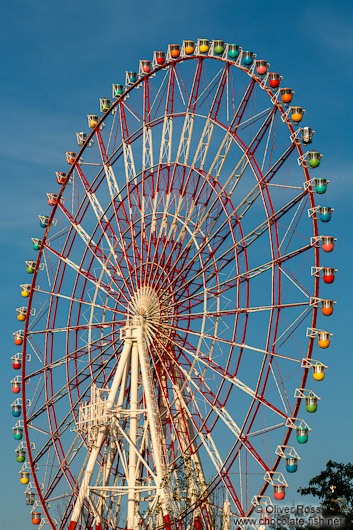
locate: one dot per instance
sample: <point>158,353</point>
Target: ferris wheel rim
<point>140,81</point>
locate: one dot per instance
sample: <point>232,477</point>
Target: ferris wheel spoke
<point>268,207</point>
<point>163,86</point>
<point>243,439</point>
<point>62,392</point>
<point>208,443</point>
<point>156,246</point>
<point>130,175</point>
<point>207,132</point>
<point>126,228</point>
<point>293,326</point>
<point>222,413</point>
<point>247,123</point>
<point>219,92</point>
<point>164,246</point>
<point>77,300</point>
<point>112,136</point>
<point>56,363</point>
<point>99,325</point>
<point>239,170</point>
<point>292,225</point>
<point>193,233</point>
<point>251,197</point>
<point>147,153</point>
<point>113,187</point>
<point>66,460</point>
<point>233,281</point>
<point>266,150</point>
<point>179,397</point>
<point>225,146</point>
<point>39,315</point>
<point>186,135</point>
<point>129,162</point>
<point>236,120</point>
<point>70,453</point>
<point>114,194</point>
<point>168,254</point>
<point>254,234</point>
<point>180,86</point>
<point>48,267</point>
<point>206,136</point>
<point>238,310</point>
<point>294,282</point>
<point>234,343</point>
<point>203,145</point>
<point>126,106</point>
<point>209,88</point>
<point>100,215</point>
<point>164,260</point>
<point>178,424</point>
<point>224,374</point>
<point>224,149</point>
<point>89,242</point>
<point>88,276</point>
<point>236,280</point>
<point>276,262</point>
<point>37,396</point>
<point>165,148</point>
<point>167,131</point>
<point>165,144</point>
<point>278,388</point>
<point>207,239</point>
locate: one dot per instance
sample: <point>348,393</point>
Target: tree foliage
<point>334,488</point>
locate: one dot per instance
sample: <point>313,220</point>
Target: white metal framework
<point>170,301</point>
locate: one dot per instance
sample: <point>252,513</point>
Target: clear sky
<point>58,58</point>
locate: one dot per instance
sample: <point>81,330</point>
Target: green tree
<point>334,488</point>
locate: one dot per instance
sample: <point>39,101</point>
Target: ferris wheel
<point>174,306</point>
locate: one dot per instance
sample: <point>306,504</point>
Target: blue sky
<point>58,58</point>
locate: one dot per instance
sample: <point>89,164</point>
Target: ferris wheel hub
<point>145,303</point>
